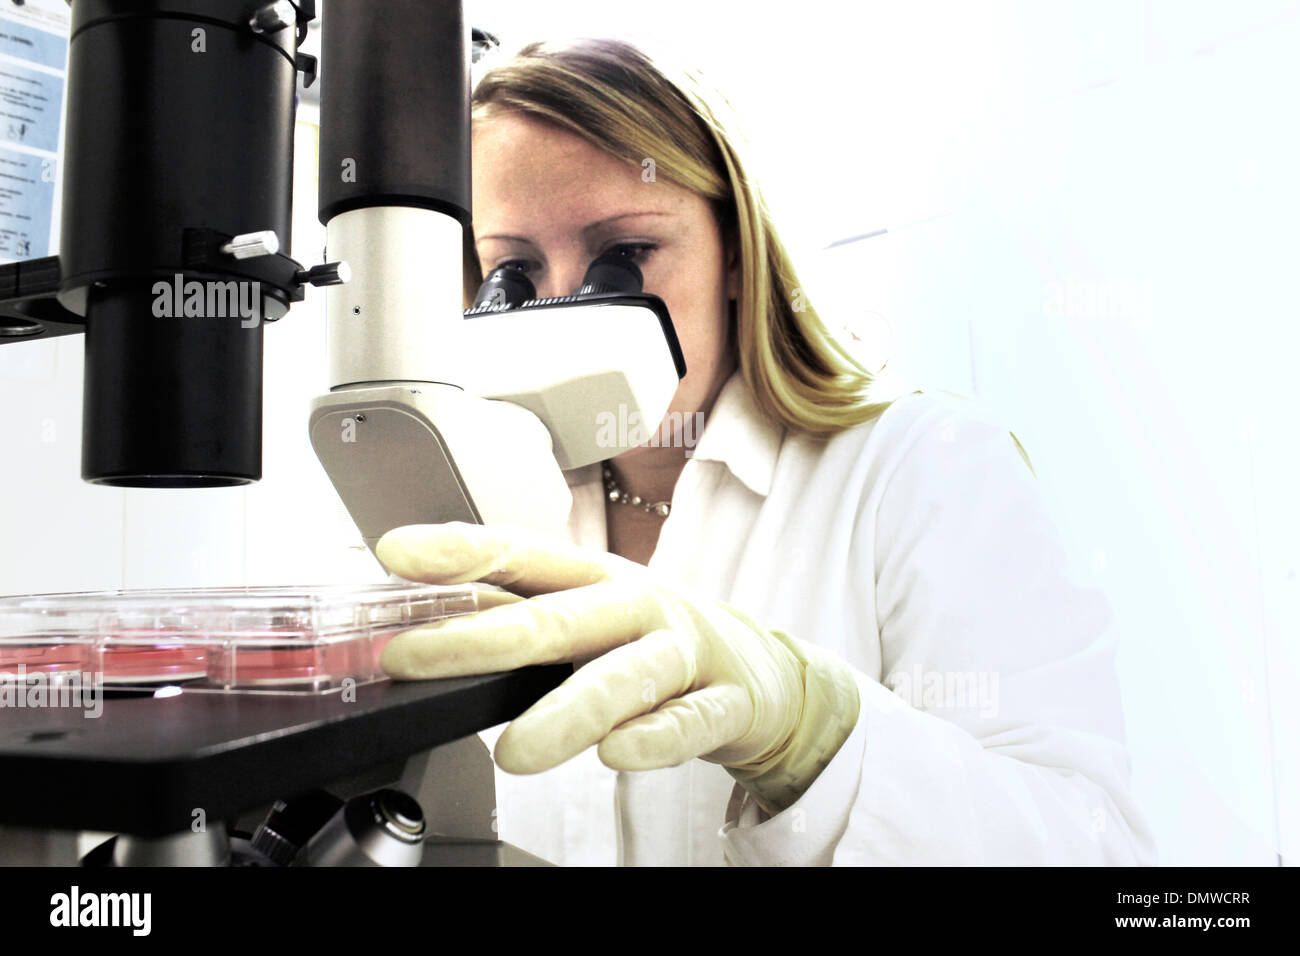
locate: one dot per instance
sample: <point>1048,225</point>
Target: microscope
<point>177,195</point>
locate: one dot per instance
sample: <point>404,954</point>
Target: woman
<point>903,670</point>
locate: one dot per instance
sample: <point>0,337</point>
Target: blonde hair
<point>613,95</point>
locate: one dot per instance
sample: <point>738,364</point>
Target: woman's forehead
<point>514,155</point>
<point>526,169</point>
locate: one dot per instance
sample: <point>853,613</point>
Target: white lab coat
<point>918,548</point>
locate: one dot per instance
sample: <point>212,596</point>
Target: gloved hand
<point>667,677</point>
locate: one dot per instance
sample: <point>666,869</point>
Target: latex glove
<point>668,677</point>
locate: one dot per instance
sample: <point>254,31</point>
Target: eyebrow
<point>593,227</point>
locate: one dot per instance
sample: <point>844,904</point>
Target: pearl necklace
<point>621,497</point>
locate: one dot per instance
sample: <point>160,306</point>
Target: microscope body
<point>436,413</point>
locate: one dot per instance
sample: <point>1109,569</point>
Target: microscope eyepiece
<point>508,286</point>
<point>505,287</point>
<point>611,272</point>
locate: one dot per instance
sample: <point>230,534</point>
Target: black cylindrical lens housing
<point>171,401</point>
<point>394,107</point>
<point>180,117</point>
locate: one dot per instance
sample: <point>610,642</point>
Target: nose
<point>563,278</point>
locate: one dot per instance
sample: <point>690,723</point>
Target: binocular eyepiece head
<point>508,286</point>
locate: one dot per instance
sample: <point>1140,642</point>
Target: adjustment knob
<point>251,244</point>
<point>328,273</point>
<point>273,16</point>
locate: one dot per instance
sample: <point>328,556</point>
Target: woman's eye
<point>523,265</point>
<point>636,251</point>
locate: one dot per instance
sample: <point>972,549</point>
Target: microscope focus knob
<point>328,273</point>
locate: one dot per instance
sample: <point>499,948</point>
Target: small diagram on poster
<point>29,106</point>
<point>26,204</point>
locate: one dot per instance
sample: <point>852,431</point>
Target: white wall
<point>1090,214</point>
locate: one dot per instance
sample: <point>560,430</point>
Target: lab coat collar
<point>736,435</point>
<point>739,436</point>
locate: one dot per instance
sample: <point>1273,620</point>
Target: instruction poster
<point>33,63</point>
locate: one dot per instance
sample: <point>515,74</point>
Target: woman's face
<point>547,198</point>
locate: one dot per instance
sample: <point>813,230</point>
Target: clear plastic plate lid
<point>295,639</point>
